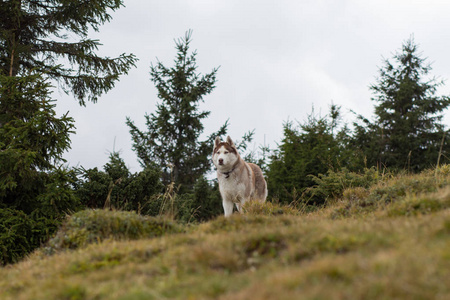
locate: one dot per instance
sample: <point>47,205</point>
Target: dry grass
<point>357,248</point>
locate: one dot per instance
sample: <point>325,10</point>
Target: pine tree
<point>34,36</point>
<point>32,140</point>
<point>32,180</point>
<point>173,130</point>
<point>408,131</point>
<point>116,187</point>
<point>35,54</point>
<point>32,54</point>
<point>311,148</point>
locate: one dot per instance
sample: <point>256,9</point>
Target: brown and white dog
<point>239,181</point>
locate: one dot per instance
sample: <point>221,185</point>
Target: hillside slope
<point>390,241</point>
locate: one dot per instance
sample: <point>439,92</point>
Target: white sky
<point>277,59</point>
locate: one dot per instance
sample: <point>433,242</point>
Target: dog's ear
<point>216,141</point>
<point>230,142</point>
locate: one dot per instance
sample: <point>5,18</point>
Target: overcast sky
<point>277,60</point>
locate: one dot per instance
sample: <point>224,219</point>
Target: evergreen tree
<point>408,131</point>
<point>206,203</point>
<point>32,141</point>
<point>311,148</point>
<point>34,53</point>
<point>32,181</point>
<point>173,131</point>
<point>32,49</point>
<point>34,36</point>
<point>116,187</point>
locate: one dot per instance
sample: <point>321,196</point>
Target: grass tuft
<point>93,226</point>
<point>268,209</point>
<point>420,204</point>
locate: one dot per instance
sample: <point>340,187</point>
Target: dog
<point>239,181</point>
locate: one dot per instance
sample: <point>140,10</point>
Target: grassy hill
<point>387,241</point>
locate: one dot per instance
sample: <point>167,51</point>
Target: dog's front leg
<point>227,207</point>
<point>239,207</point>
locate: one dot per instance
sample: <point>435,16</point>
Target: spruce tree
<point>116,187</point>
<point>173,130</point>
<point>32,141</point>
<point>32,180</point>
<point>311,148</point>
<point>36,54</point>
<point>51,38</point>
<point>408,131</point>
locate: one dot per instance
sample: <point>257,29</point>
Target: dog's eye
<point>226,152</point>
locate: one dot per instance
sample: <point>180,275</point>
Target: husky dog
<point>239,181</point>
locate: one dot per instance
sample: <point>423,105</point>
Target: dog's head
<point>225,154</point>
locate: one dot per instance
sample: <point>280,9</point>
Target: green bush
<point>93,226</point>
<point>32,213</point>
<point>171,205</point>
<point>15,229</point>
<point>207,202</point>
<point>117,188</point>
<point>202,204</point>
<point>333,184</point>
<point>20,234</point>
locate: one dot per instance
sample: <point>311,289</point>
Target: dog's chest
<point>232,188</point>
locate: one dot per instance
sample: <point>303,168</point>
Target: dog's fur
<point>239,181</point>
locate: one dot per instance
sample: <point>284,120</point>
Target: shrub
<point>20,234</point>
<point>206,203</point>
<point>93,226</point>
<point>171,205</point>
<point>333,184</point>
<point>203,204</point>
<point>116,187</point>
<point>15,229</point>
